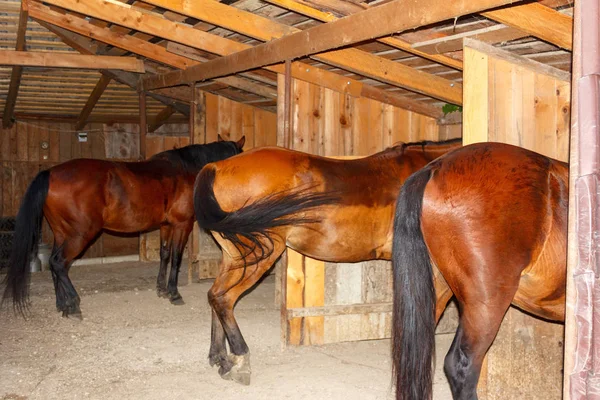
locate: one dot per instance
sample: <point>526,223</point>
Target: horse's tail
<point>249,227</point>
<point>27,234</point>
<point>413,324</point>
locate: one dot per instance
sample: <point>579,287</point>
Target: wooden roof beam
<point>180,33</point>
<point>396,16</point>
<point>537,20</point>
<point>120,13</point>
<point>264,29</point>
<point>17,71</point>
<point>87,46</point>
<point>77,61</point>
<point>92,100</point>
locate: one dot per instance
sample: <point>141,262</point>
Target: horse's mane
<point>425,143</point>
<point>193,157</point>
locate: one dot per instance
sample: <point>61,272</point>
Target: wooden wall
<point>514,100</point>
<point>23,156</point>
<point>353,301</point>
<point>213,116</point>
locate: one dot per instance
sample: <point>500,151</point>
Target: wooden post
<point>142,156</point>
<point>143,125</point>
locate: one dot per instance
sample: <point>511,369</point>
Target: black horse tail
<point>27,234</point>
<point>249,227</point>
<point>413,317</point>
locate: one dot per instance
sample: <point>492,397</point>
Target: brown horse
<point>82,197</point>
<point>261,201</point>
<point>493,219</point>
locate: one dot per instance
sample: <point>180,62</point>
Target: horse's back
<point>505,205</point>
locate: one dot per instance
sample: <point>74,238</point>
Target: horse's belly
<point>352,234</point>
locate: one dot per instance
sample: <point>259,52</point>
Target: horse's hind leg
<point>180,236</point>
<point>232,282</point>
<point>481,314</point>
<point>67,299</point>
<point>165,254</point>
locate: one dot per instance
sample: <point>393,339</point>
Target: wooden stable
<point>315,76</point>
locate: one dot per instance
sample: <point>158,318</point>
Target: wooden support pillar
<point>143,125</point>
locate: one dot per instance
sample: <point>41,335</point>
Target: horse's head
<point>239,145</point>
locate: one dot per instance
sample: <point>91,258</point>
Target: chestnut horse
<point>491,218</point>
<point>82,197</point>
<point>261,201</point>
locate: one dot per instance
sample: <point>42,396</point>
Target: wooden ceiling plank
<point>396,16</point>
<point>86,46</point>
<point>264,29</point>
<point>537,20</point>
<point>75,61</point>
<point>17,71</point>
<point>92,100</point>
<point>164,28</point>
<point>305,9</point>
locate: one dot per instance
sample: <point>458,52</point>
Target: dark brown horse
<point>259,202</point>
<point>82,197</point>
<point>491,218</point>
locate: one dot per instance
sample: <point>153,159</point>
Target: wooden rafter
<point>539,21</point>
<point>163,28</point>
<point>386,19</point>
<point>92,100</point>
<point>264,29</point>
<point>79,61</point>
<point>87,46</point>
<point>160,118</point>
<point>17,71</point>
<point>118,12</point>
<point>306,9</point>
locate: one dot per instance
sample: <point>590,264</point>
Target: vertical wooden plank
<point>224,121</point>
<point>75,145</point>
<point>5,143</point>
<point>563,120</point>
<point>501,106</point>
<point>143,124</point>
<point>389,119</point>
<point>301,110</point>
<point>22,140</point>
<point>331,140</point>
<point>54,145</point>
<point>402,122</point>
<point>281,112</point>
<point>545,101</point>
<point>33,141</point>
<point>269,126</point>
<point>319,114</point>
<point>294,294</point>
<point>314,296</point>
<point>236,121</point>
<point>212,117</point>
<point>346,124</point>
<point>198,126</point>
<point>13,142</point>
<point>375,129</point>
<point>475,97</point>
<point>64,152</point>
<point>360,126</point>
<point>524,124</point>
<point>248,126</point>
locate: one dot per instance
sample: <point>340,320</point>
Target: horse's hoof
<point>176,299</point>
<point>162,293</point>
<point>74,315</point>
<point>240,371</point>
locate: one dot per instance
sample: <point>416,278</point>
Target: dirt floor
<point>133,345</point>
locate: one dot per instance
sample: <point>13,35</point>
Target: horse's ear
<point>220,138</point>
<point>240,143</point>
